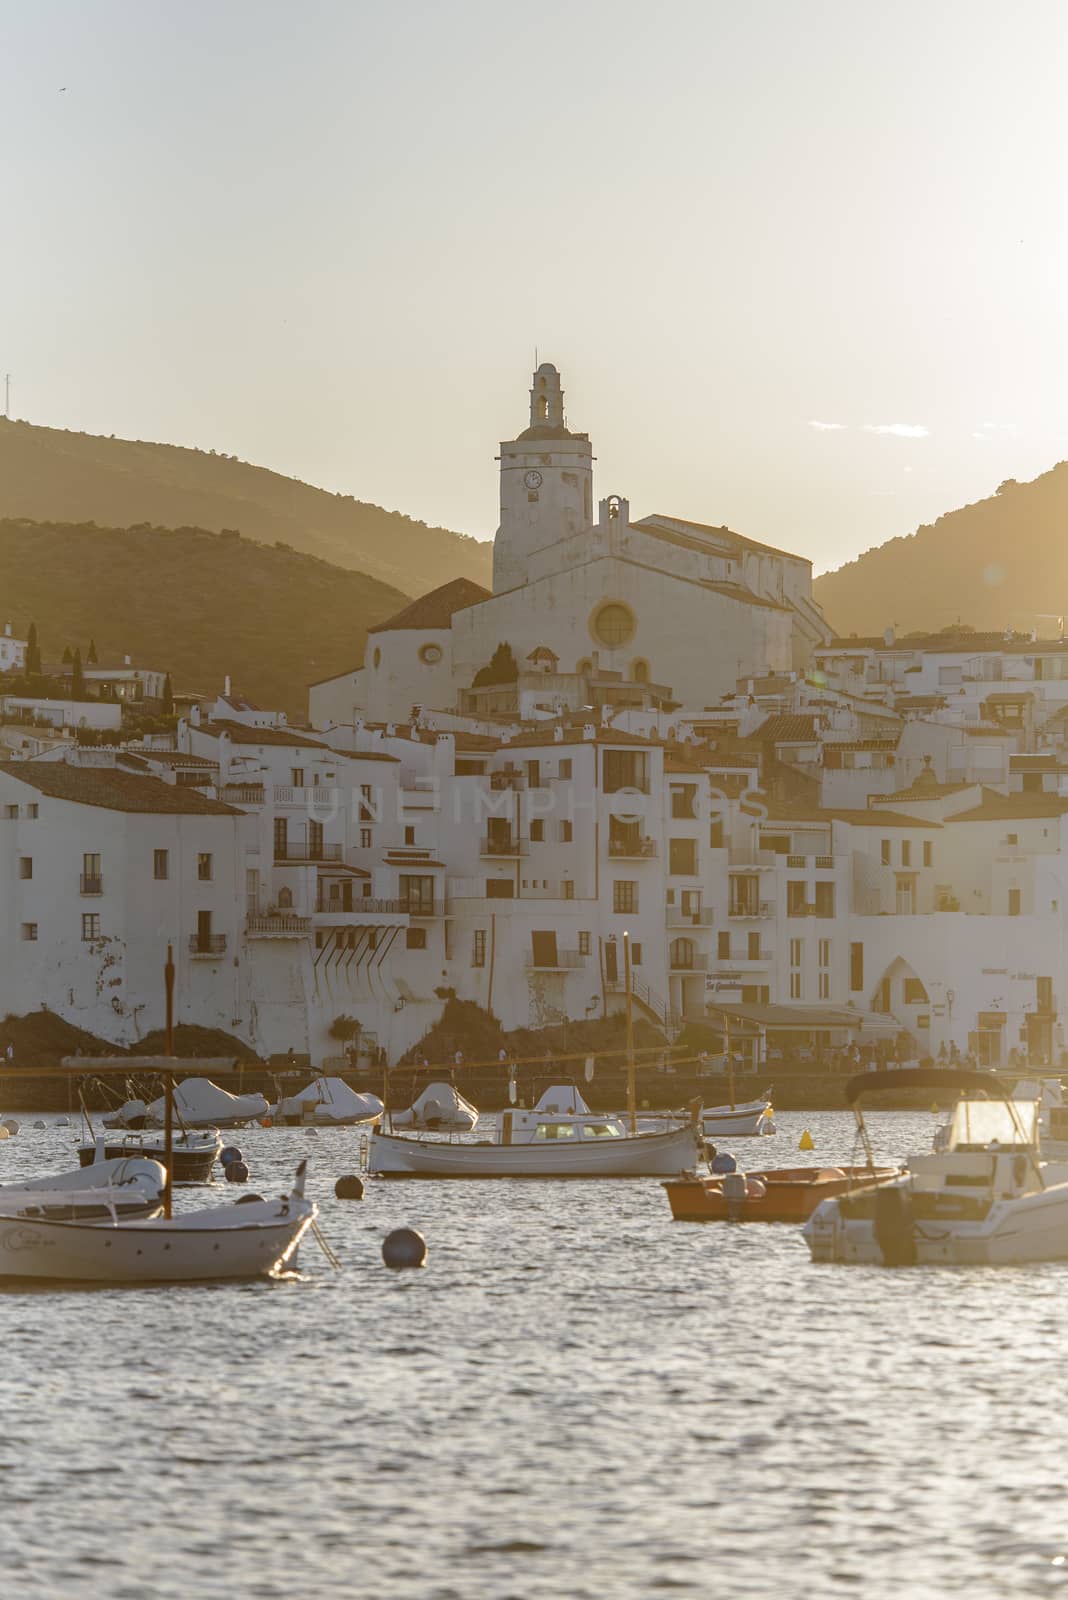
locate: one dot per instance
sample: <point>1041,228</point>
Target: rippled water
<point>577,1398</point>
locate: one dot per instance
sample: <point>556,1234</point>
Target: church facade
<point>593,606</point>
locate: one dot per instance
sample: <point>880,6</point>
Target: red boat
<point>784,1194</point>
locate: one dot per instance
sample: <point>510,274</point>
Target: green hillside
<point>55,476</point>
<point>197,604</point>
<point>998,563</point>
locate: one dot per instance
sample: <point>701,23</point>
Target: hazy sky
<point>327,237</point>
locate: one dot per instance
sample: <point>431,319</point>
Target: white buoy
<point>3,1133</point>
<point>10,1124</point>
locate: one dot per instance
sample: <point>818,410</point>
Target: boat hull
<point>1013,1233</point>
<point>190,1163</point>
<point>650,1155</point>
<point>152,1252</point>
<point>791,1194</point>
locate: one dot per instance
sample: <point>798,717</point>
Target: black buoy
<point>229,1153</point>
<point>248,1199</point>
<point>404,1248</point>
<point>349,1188</point>
<point>235,1172</point>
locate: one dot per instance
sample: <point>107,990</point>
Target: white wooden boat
<point>751,1119</point>
<point>440,1108</point>
<point>194,1151</point>
<point>984,1198</point>
<point>124,1189</point>
<point>249,1239</point>
<point>560,1138</point>
<point>198,1103</point>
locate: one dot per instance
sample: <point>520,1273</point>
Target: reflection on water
<point>577,1398</point>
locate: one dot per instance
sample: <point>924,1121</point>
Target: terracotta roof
<point>861,819</point>
<point>241,733</point>
<point>435,610</point>
<point>860,744</point>
<point>172,758</point>
<point>998,807</point>
<point>927,791</point>
<point>1036,763</point>
<point>114,789</point>
<point>726,535</point>
<point>787,730</point>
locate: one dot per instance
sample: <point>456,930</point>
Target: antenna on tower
<point>7,395</point>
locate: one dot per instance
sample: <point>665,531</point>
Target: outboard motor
<point>735,1192</point>
<point>895,1230</point>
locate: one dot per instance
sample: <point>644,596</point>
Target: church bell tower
<point>546,483</point>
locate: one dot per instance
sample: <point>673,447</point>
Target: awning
<point>776,1018</point>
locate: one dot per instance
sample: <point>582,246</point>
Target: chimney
<point>226,685</point>
<point>589,731</point>
<point>194,715</point>
<point>558,735</point>
<point>888,636</point>
<point>7,629</point>
<point>126,661</point>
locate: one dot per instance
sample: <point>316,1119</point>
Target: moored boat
<point>194,1152</point>
<point>784,1194</point>
<point>127,1188</point>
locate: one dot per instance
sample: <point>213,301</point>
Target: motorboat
<point>326,1103</point>
<point>253,1238</point>
<point>193,1155</point>
<point>560,1138</point>
<point>126,1188</point>
<point>198,1103</point>
<point>440,1108</point>
<point>775,1194</point>
<point>984,1198</point>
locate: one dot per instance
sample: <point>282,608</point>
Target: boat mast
<point>632,1098</point>
<point>168,1087</point>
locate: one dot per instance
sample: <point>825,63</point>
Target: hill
<point>1002,561</point>
<point>197,604</point>
<point>55,476</point>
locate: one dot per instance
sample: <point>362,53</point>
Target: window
<point>914,992</point>
<point>478,948</point>
<point>91,879</point>
<point>824,986</point>
<point>752,947</point>
<point>625,896</point>
<point>795,986</point>
<point>635,955</point>
<point>856,967</point>
<point>563,769</point>
<point>11,812</point>
<point>744,895</point>
<point>569,889</point>
<point>567,832</point>
<point>365,838</point>
<point>715,834</point>
<point>1044,996</point>
<point>584,944</point>
<point>500,888</point>
<point>25,866</point>
<point>795,969</point>
<point>29,931</point>
<point>417,895</point>
<point>409,835</point>
<point>683,796</point>
<point>533,774</point>
<point>625,769</point>
<point>906,852</point>
<point>1012,838</point>
<point>543,949</point>
<point>296,775</point>
<point>537,830</point>
<point>723,946</point>
<point>415,939</point>
<point>285,897</point>
<point>825,900</point>
<point>825,952</point>
<point>161,867</point>
<point>613,624</point>
<point>90,925</point>
<point>33,809</point>
<point>795,952</point>
<point>796,905</point>
<point>886,852</point>
<point>204,866</point>
<point>281,838</point>
<point>1014,902</point>
<point>682,857</point>
<point>928,853</point>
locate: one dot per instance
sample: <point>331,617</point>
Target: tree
<point>92,657</point>
<point>67,656</point>
<point>77,676</point>
<point>33,653</point>
<point>344,1028</point>
<point>501,668</point>
<point>168,697</point>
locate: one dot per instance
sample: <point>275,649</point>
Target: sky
<point>801,263</point>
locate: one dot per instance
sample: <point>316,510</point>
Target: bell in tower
<point>546,483</point>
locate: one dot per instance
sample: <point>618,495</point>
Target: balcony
<point>305,850</point>
<point>207,944</point>
<point>242,794</point>
<point>503,847</point>
<point>282,926</point>
<point>687,963</point>
<point>676,917</point>
<point>565,961</point>
<point>751,908</point>
<point>362,904</point>
<point>631,849</point>
<point>92,883</point>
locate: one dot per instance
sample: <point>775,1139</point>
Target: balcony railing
<point>305,850</point>
<point>751,908</point>
<point>631,849</point>
<point>92,883</point>
<point>282,926</point>
<point>365,904</point>
<point>242,794</point>
<point>676,917</point>
<point>503,847</point>
<point>687,963</point>
<point>207,944</point>
<point>563,961</point>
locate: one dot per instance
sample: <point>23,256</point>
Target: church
<point>592,607</point>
